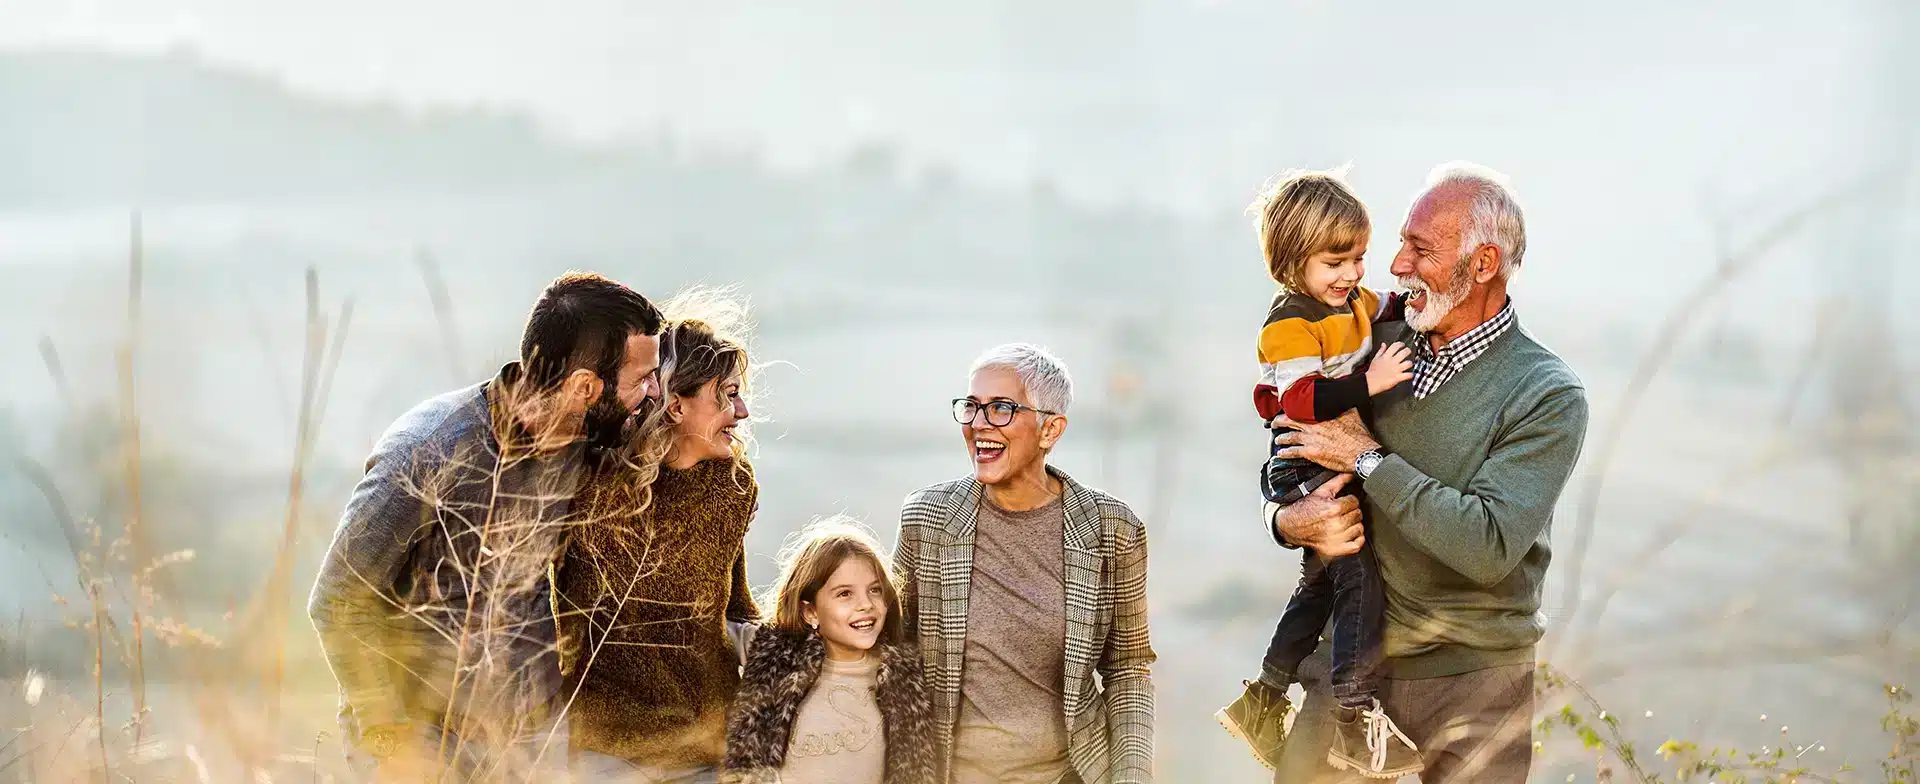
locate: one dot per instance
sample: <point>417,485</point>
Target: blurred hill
<point>88,131</point>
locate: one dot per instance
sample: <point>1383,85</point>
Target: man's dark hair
<point>581,321</point>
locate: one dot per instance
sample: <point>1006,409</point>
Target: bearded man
<point>432,603</point>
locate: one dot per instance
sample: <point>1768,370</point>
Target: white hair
<point>1048,385</point>
<point>1493,217</point>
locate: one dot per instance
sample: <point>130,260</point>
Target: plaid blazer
<point>1109,719</point>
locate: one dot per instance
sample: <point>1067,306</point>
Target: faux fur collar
<point>781,669</point>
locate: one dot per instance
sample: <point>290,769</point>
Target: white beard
<point>1438,304</point>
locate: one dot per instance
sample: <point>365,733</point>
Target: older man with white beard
<point>1461,472</point>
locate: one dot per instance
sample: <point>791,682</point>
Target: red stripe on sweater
<point>1266,400</point>
<point>1297,402</point>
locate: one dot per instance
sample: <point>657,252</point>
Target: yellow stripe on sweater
<point>1336,335</point>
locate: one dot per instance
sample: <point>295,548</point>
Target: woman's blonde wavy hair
<point>705,339</point>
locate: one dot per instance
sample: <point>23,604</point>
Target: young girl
<point>830,693</point>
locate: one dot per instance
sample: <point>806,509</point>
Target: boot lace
<point>1380,731</point>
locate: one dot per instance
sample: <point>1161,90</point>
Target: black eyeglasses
<point>999,412</point>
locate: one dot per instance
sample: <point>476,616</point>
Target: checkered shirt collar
<point>1431,369</point>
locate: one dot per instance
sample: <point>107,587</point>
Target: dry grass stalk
<point>442,313</point>
<point>316,376</point>
<point>275,597</point>
<point>99,685</point>
<point>62,387</point>
<point>130,451</point>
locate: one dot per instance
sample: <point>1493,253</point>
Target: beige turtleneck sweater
<point>838,737</point>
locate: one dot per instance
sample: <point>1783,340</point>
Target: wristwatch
<point>1369,460</point>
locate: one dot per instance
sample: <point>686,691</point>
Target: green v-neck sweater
<point>1460,511</point>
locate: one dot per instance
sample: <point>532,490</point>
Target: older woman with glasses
<point>1027,592</point>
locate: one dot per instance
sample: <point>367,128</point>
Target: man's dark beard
<point>607,420</point>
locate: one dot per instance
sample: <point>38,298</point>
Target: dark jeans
<point>1348,591</point>
<point>1284,480</point>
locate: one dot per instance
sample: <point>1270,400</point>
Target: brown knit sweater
<point>642,602</point>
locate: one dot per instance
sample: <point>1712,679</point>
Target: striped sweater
<point>1311,355</point>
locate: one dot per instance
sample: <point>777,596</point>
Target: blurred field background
<point>1721,196</point>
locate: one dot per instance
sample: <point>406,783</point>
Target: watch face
<point>1366,463</point>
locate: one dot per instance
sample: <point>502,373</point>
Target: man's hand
<point>1392,364</point>
<point>1334,444</point>
<point>1328,525</point>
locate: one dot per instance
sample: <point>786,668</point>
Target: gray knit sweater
<point>1461,510</point>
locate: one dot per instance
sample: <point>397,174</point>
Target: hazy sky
<point>1181,104</point>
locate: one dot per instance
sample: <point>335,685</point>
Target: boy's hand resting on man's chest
<point>1392,364</point>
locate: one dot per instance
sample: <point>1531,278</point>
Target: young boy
<point>1314,351</point>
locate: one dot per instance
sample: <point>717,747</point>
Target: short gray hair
<point>1493,217</point>
<point>1048,385</point>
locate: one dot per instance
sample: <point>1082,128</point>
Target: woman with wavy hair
<point>656,567</point>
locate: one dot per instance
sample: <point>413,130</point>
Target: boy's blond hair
<point>1303,212</point>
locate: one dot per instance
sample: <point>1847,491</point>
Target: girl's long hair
<point>705,340</point>
<point>812,556</point>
